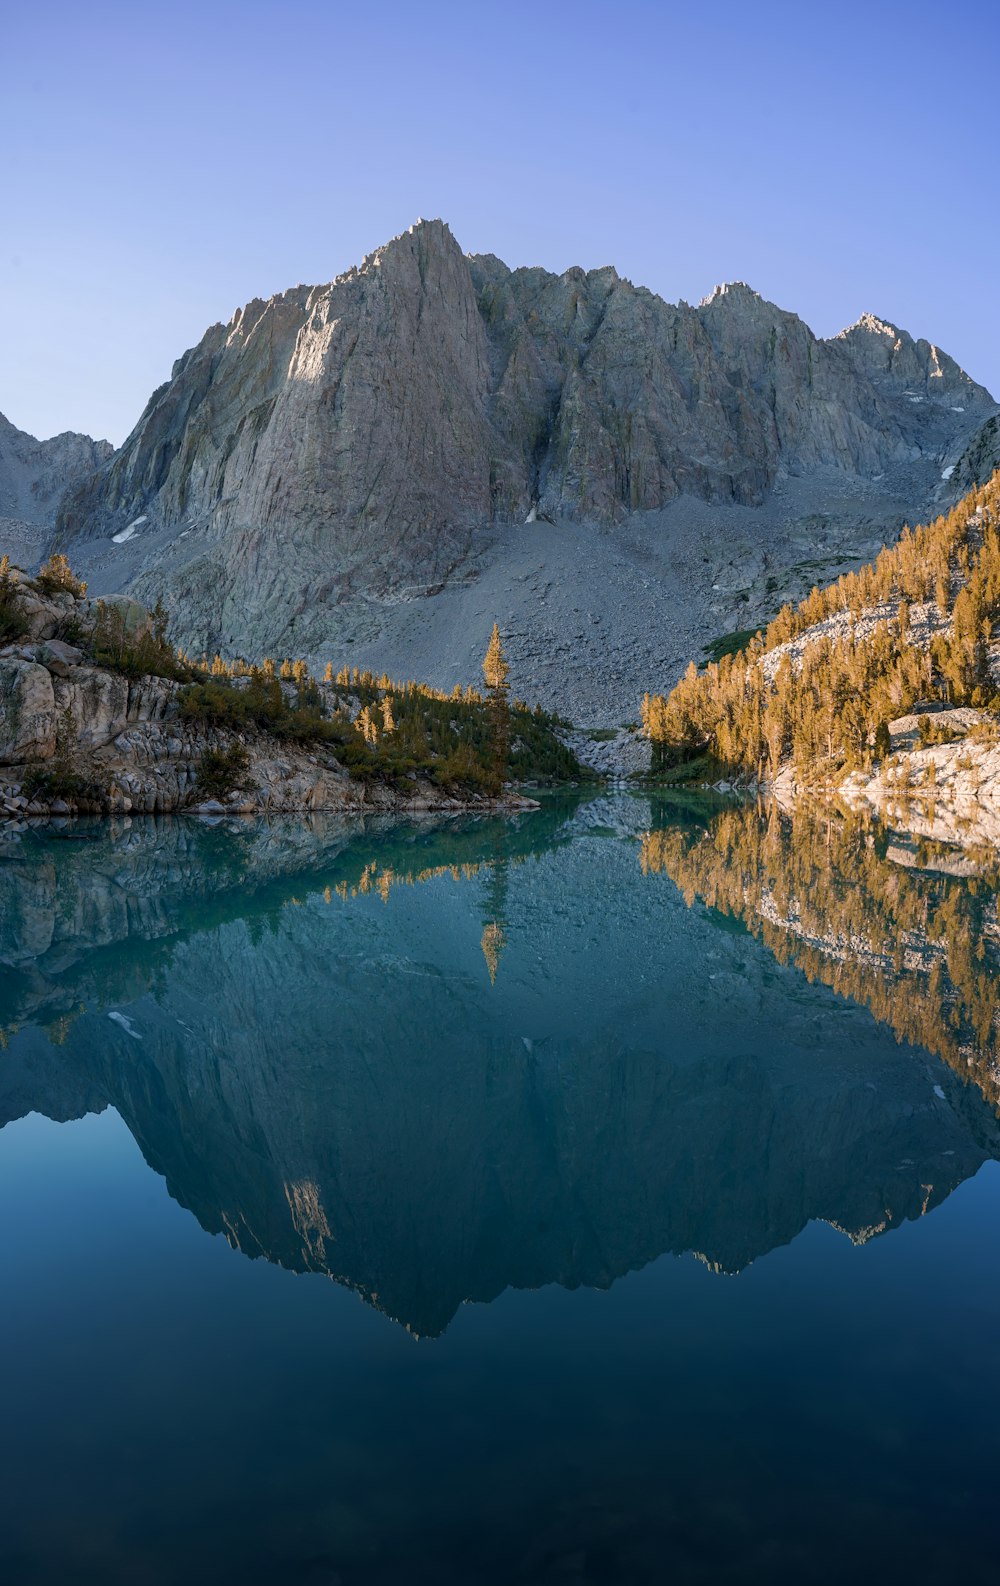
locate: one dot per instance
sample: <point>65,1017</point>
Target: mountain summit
<point>350,439</point>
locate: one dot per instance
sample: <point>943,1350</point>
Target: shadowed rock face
<point>981,458</point>
<point>352,437</point>
<point>34,477</point>
<point>335,1080</point>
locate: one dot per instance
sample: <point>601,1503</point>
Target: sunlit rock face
<point>353,437</point>
<point>423,1062</point>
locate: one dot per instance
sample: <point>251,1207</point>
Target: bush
<point>462,768</point>
<point>729,644</point>
<point>60,779</point>
<point>13,621</point>
<point>223,771</point>
<point>59,783</point>
<point>934,732</point>
<point>134,652</point>
<point>57,577</point>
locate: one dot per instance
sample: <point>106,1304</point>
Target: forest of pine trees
<point>826,707</point>
<point>379,727</point>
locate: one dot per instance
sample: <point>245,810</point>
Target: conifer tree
<point>496,671</point>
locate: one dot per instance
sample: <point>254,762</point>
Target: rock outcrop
<point>981,457</point>
<point>78,737</point>
<point>353,437</point>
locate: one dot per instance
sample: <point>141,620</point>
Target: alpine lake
<point>605,1194</point>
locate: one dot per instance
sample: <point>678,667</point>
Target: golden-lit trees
<point>56,576</point>
<point>825,676</point>
<point>496,672</point>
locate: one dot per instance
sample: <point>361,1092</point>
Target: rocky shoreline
<point>947,792</point>
<point>133,753</point>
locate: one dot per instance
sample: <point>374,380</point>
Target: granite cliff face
<point>354,439</point>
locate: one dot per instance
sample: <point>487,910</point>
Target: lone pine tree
<point>496,671</point>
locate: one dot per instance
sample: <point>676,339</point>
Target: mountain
<point>431,420</point>
<point>34,476</point>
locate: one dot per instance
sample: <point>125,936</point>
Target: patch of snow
<point>128,532</point>
<point>948,472</point>
<point>958,410</point>
<point>126,1024</point>
<point>939,1092</point>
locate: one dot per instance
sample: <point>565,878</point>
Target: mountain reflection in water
<point>436,1061</point>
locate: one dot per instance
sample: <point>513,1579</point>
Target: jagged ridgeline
<point>819,687</point>
<point>871,915</point>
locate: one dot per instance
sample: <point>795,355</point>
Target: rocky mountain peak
<point>872,325</point>
<point>350,439</point>
<point>915,370</point>
<point>734,292</point>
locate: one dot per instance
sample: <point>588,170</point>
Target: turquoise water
<point>494,1202</point>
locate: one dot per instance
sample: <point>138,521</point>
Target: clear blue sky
<point>163,164</point>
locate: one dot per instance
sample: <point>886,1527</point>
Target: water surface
<point>605,1195</point>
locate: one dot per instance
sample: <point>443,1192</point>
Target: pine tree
<point>496,671</point>
<point>366,724</point>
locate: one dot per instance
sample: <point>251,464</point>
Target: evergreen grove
<point>826,709</point>
<point>374,726</point>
